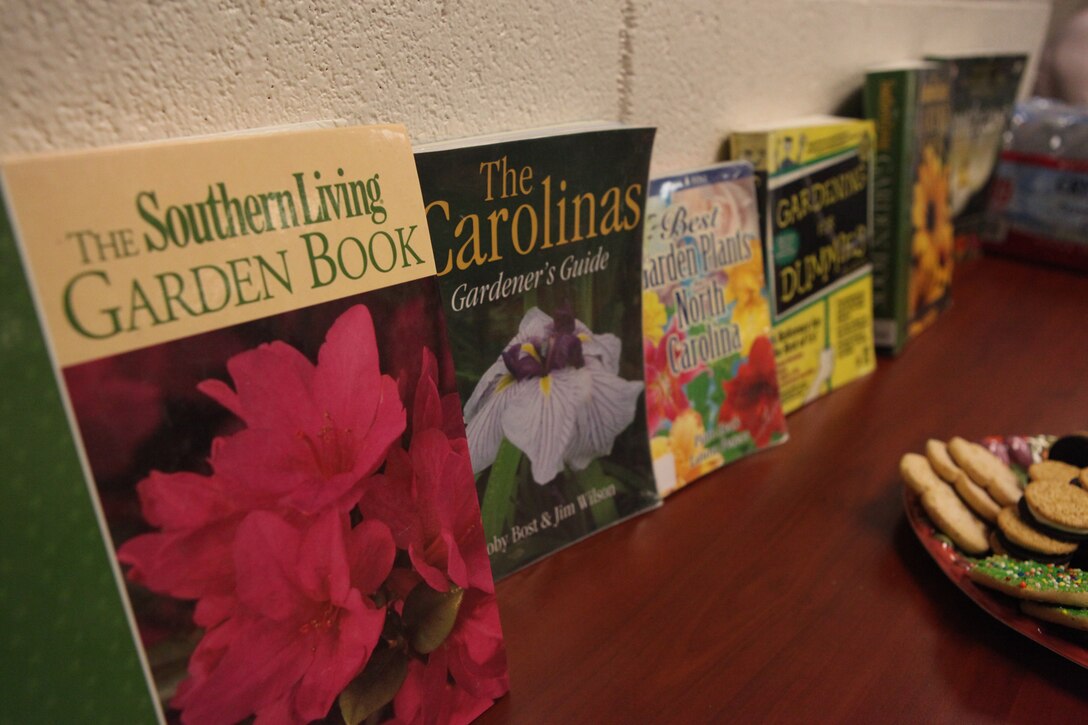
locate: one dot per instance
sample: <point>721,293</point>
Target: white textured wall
<point>94,72</point>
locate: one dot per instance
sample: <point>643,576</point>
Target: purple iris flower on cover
<point>555,393</point>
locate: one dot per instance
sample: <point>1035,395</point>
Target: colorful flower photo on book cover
<point>537,246</point>
<point>292,505</point>
<point>711,381</point>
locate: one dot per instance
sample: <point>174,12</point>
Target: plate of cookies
<point>1006,519</point>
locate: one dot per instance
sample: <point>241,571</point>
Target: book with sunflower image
<point>814,183</point>
<point>538,239</point>
<point>913,235</point>
<point>711,379</point>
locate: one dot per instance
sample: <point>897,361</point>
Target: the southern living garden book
<point>814,180</point>
<point>537,240</point>
<point>984,90</point>
<point>913,240</point>
<point>249,345</point>
<point>711,380</point>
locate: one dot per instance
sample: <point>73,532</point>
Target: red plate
<point>1004,608</point>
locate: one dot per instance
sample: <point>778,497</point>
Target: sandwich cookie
<point>1071,449</point>
<point>1049,470</point>
<point>1060,509</point>
<point>1024,541</point>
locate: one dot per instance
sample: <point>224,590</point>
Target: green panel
<point>67,654</point>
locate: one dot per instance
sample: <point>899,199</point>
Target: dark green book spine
<point>889,103</point>
<point>68,652</point>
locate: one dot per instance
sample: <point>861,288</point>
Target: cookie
<point>1026,542</point>
<point>1028,518</point>
<point>1075,617</point>
<point>1058,505</point>
<point>987,470</point>
<point>952,517</point>
<point>918,474</point>
<point>937,453</point>
<point>1050,583</point>
<point>1052,470</point>
<point>976,497</point>
<point>1071,449</point>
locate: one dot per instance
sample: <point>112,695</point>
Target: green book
<point>538,243</point>
<point>913,236</point>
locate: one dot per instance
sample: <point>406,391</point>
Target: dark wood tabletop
<point>790,586</point>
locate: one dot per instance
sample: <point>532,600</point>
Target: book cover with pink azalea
<point>711,380</point>
<point>538,241</point>
<point>251,353</point>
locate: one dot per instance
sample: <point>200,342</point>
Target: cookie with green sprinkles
<point>1075,617</point>
<point>1051,583</point>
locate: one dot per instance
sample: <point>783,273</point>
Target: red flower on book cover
<point>665,396</point>
<point>463,676</point>
<point>752,395</point>
<point>303,625</point>
<point>313,433</point>
<point>289,544</point>
<point>427,495</point>
<point>476,654</point>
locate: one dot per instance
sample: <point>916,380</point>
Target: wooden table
<point>790,586</point>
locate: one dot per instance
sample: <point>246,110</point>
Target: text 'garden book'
<point>250,348</point>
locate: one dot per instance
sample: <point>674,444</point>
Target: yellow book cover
<point>814,181</point>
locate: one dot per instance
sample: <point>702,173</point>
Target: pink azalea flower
<point>304,624</point>
<point>665,397</point>
<point>427,495</point>
<point>102,393</point>
<point>313,433</point>
<point>475,651</point>
<point>188,558</point>
<point>427,696</point>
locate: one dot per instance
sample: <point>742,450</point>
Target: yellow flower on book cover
<point>932,245</point>
<point>654,317</point>
<point>745,287</point>
<point>685,442</point>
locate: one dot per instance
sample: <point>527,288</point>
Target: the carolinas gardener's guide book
<point>537,242</point>
<point>711,380</point>
<point>250,349</point>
